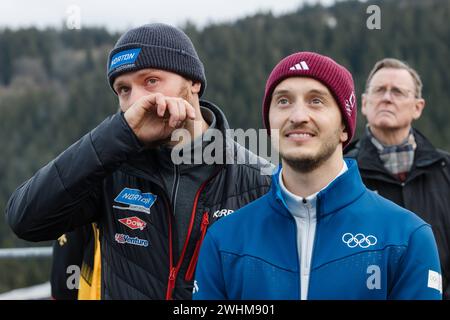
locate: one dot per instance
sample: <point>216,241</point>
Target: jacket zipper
<point>313,240</point>
<point>175,188</point>
<point>192,264</point>
<point>175,269</point>
<point>308,231</point>
<point>306,263</point>
<point>172,271</point>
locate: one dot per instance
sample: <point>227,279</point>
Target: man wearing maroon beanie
<point>319,233</point>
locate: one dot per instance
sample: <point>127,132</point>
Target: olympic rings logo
<point>358,239</point>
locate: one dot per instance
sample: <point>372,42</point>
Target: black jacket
<point>88,182</point>
<point>426,190</point>
<point>76,248</point>
<point>68,250</point>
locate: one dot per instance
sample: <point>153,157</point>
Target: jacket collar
<point>164,153</point>
<point>425,154</point>
<point>344,190</point>
<point>146,163</point>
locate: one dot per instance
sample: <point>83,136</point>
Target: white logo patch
<point>222,213</point>
<point>299,66</point>
<point>435,280</point>
<point>350,104</point>
<point>359,240</point>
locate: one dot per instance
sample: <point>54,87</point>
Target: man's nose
<point>299,114</point>
<point>137,92</point>
<point>387,95</point>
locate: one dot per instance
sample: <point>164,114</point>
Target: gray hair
<point>396,64</point>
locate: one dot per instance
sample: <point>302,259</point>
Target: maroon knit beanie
<point>312,65</point>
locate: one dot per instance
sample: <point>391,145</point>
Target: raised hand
<point>154,117</point>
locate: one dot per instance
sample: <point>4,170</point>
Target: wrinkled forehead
<point>138,73</point>
<point>392,77</point>
<point>301,85</point>
<point>144,73</point>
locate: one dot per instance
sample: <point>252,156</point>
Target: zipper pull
<point>172,274</point>
<point>205,220</point>
<point>171,284</point>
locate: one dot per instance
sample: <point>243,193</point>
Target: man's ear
<point>344,134</point>
<point>195,88</point>
<point>418,108</point>
<point>363,104</point>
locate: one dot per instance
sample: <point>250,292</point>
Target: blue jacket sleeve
<point>418,276</point>
<point>209,282</point>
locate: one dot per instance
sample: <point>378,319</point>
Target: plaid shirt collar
<point>397,159</point>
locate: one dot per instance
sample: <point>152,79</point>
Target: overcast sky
<point>121,15</point>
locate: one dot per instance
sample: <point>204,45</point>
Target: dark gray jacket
<point>107,177</point>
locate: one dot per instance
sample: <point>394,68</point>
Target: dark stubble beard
<point>305,164</point>
<point>185,94</point>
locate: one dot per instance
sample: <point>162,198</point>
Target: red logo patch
<point>133,223</point>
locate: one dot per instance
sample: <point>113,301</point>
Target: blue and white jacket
<point>365,247</point>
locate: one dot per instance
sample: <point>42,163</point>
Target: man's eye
<point>316,101</point>
<point>397,92</point>
<point>152,81</point>
<point>380,90</point>
<point>282,101</point>
<point>123,90</point>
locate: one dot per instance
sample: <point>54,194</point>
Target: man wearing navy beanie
<point>157,46</point>
<point>152,212</point>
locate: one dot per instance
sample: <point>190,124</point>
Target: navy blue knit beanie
<point>157,46</point>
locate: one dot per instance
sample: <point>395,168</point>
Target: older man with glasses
<point>396,160</point>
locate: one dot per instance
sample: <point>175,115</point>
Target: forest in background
<point>53,86</point>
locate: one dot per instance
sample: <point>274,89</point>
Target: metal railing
<point>37,292</point>
<point>26,252</point>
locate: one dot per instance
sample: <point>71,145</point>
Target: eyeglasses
<point>396,93</point>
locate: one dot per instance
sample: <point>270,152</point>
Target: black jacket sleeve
<point>66,193</point>
<point>68,250</point>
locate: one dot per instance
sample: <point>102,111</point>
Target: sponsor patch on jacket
<point>126,57</point>
<point>222,213</point>
<point>435,280</point>
<point>133,223</point>
<point>126,239</point>
<point>136,200</point>
<point>359,240</point>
